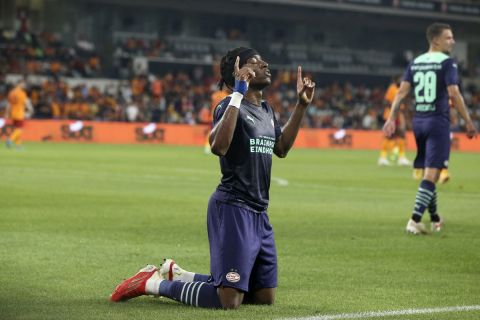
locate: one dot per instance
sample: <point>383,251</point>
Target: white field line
<point>280,181</point>
<point>382,314</point>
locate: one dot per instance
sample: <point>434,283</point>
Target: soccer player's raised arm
<point>459,104</point>
<point>222,134</point>
<point>389,126</point>
<point>305,91</point>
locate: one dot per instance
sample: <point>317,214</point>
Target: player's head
<point>250,57</point>
<point>22,83</point>
<point>397,79</point>
<point>440,37</point>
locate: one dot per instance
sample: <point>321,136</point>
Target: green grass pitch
<point>75,219</point>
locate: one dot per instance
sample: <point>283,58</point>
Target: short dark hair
<point>228,62</point>
<point>435,29</point>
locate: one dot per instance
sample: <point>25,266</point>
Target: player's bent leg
<point>197,294</point>
<point>263,280</point>
<point>444,176</point>
<point>264,296</point>
<point>232,254</point>
<point>383,160</point>
<point>426,193</point>
<point>16,136</point>
<point>401,143</point>
<point>230,298</point>
<point>436,220</point>
<point>149,281</point>
<point>417,173</point>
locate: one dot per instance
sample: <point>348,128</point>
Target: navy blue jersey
<point>246,167</point>
<point>430,75</point>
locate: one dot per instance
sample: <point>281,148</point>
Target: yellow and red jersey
<point>389,97</point>
<point>392,91</point>
<point>216,97</point>
<point>17,98</point>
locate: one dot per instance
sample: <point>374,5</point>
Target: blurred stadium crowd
<point>184,95</point>
<point>181,98</point>
<point>44,53</point>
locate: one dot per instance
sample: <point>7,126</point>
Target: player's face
<point>446,41</point>
<point>263,77</point>
<point>22,84</point>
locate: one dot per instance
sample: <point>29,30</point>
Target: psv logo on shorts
<point>232,277</point>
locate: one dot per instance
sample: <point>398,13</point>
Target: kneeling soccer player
<point>243,258</point>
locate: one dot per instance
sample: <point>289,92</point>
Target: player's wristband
<point>236,99</point>
<point>241,86</point>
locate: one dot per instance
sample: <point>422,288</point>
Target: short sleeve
<point>451,72</point>
<point>276,125</point>
<point>220,110</point>
<point>408,76</point>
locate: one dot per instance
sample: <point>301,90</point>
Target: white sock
<point>153,286</point>
<point>180,274</point>
<point>187,276</point>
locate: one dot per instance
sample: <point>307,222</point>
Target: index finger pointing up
<point>299,72</point>
<point>237,64</point>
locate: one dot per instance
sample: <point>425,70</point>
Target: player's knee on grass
<point>230,298</point>
<point>264,296</point>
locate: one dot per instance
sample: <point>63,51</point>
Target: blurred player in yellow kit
<point>215,99</point>
<point>396,143</point>
<point>18,106</point>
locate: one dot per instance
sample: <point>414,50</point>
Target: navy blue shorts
<point>242,247</point>
<point>432,136</point>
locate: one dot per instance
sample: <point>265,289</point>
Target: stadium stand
<point>44,53</point>
<point>138,72</point>
<point>178,98</point>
